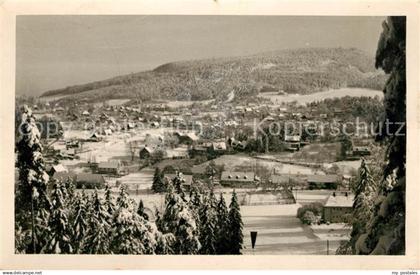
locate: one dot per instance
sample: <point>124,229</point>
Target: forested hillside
<point>299,71</point>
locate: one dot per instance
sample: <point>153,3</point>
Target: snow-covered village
<point>175,138</point>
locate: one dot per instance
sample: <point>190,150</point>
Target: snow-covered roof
<point>192,136</point>
<point>279,178</point>
<point>59,168</point>
<point>91,178</point>
<point>219,145</point>
<point>238,176</point>
<point>108,165</point>
<point>323,178</point>
<point>295,138</point>
<point>340,200</point>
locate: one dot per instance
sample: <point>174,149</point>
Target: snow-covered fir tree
<point>385,232</point>
<point>235,226</point>
<point>59,232</point>
<point>97,239</point>
<point>80,224</point>
<point>141,211</point>
<point>194,203</point>
<point>222,236</point>
<point>177,183</point>
<point>208,222</point>
<point>363,204</point>
<point>109,203</point>
<point>178,219</point>
<point>131,233</point>
<point>32,204</point>
<point>158,184</point>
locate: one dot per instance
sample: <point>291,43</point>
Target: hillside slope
<point>299,71</point>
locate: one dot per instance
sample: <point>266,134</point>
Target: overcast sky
<point>58,51</point>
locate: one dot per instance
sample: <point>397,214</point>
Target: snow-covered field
<point>141,180</point>
<point>117,102</point>
<point>232,161</point>
<point>304,99</point>
<point>280,232</point>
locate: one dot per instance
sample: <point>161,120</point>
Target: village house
<point>338,207</point>
<point>187,138</point>
<point>280,179</point>
<point>109,167</point>
<point>82,180</point>
<point>95,137</point>
<point>186,180</point>
<point>238,179</point>
<point>58,168</point>
<point>360,151</point>
<point>146,152</point>
<point>197,150</point>
<point>73,144</point>
<point>322,181</point>
<point>90,181</point>
<point>218,147</point>
<point>178,153</point>
<point>292,142</point>
<point>64,176</point>
<point>236,144</point>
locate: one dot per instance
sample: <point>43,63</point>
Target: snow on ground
<point>232,161</point>
<point>117,102</point>
<point>333,231</point>
<point>280,232</point>
<point>333,93</point>
<point>308,196</point>
<point>141,180</point>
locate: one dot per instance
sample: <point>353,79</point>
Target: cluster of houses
<point>189,145</point>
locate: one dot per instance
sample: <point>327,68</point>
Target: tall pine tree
<point>235,226</point>
<point>207,227</point>
<point>131,233</point>
<point>59,234</point>
<point>178,219</point>
<point>158,184</point>
<point>80,224</point>
<point>97,236</point>
<point>222,228</point>
<point>141,211</point>
<point>363,203</point>
<point>385,232</point>
<point>32,204</point>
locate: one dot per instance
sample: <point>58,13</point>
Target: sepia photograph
<point>211,134</point>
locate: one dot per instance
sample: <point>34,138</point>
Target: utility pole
<point>328,247</point>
